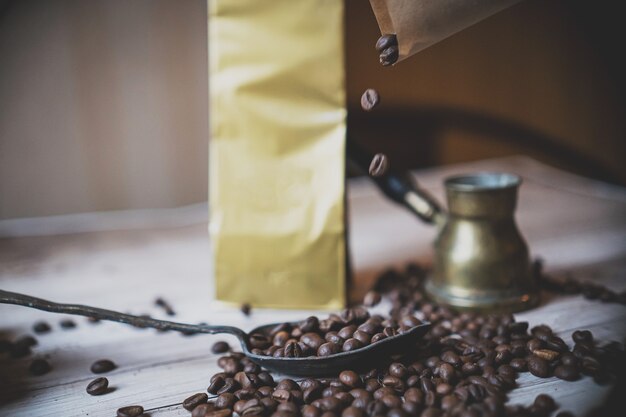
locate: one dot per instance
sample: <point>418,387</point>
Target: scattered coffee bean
<point>98,386</point>
<point>130,411</point>
<point>567,372</point>
<point>379,165</point>
<point>41,327</point>
<point>39,367</point>
<point>545,403</point>
<point>67,324</point>
<point>220,347</point>
<point>246,309</point>
<point>102,366</point>
<point>538,367</point>
<point>369,99</point>
<point>191,402</point>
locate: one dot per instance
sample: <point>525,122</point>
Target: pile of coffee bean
<point>569,285</point>
<point>465,366</point>
<point>350,330</point>
<point>387,47</point>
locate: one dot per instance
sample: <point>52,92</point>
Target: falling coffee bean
<point>378,166</point>
<point>39,367</point>
<point>103,366</point>
<point>98,386</point>
<point>369,99</point>
<point>130,411</point>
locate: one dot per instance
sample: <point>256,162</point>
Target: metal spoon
<point>308,366</point>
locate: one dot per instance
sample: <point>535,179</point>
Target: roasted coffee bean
<point>582,336</point>
<point>352,412</point>
<point>311,411</point>
<point>590,366</point>
<point>372,298</point>
<point>102,366</point>
<point>369,99</point>
<point>385,41</point>
<point>226,400</point>
<point>67,324</point>
<point>362,337</point>
<point>225,412</point>
<point>130,411</point>
<point>379,165</point>
<point>41,327</point>
<point>389,56</point>
<point>378,337</point>
<point>39,367</point>
<point>292,350</point>
<point>215,385</point>
<point>98,386</point>
<point>246,309</point>
<point>534,344</point>
<point>538,366</point>
<point>288,407</point>
<point>220,347</point>
<point>230,385</point>
<point>351,344</point>
<point>557,344</point>
<point>542,332</point>
<point>346,332</point>
<point>328,349</point>
<point>288,384</point>
<point>546,354</point>
<point>310,324</point>
<point>431,412</point>
<point>545,403</point>
<point>566,372</point>
<point>193,401</point>
<point>350,379</point>
<point>281,338</point>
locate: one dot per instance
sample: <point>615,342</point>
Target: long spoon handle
<point>7,297</point>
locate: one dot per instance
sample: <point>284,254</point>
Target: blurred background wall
<point>103,104</point>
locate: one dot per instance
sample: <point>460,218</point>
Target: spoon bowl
<point>356,359</point>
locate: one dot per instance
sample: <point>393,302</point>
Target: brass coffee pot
<point>481,259</point>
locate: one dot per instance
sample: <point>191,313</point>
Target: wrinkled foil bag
<point>277,120</point>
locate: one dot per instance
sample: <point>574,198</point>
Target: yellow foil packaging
<point>277,152</point>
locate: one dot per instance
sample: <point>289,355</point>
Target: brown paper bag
<point>421,23</point>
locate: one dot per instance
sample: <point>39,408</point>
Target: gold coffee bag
<point>277,152</point>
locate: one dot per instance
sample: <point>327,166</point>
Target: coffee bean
<point>102,366</point>
<point>225,412</point>
<point>538,366</point>
<point>545,403</point>
<point>389,56</point>
<point>385,41</point>
<point>67,324</point>
<point>39,367</point>
<point>379,165</point>
<point>546,354</point>
<point>246,309</point>
<point>369,99</point>
<point>41,327</point>
<point>98,386</point>
<point>582,336</point>
<point>328,349</point>
<point>130,411</point>
<point>220,347</point>
<point>350,379</point>
<point>201,410</point>
<point>566,372</point>
<point>352,344</point>
<point>372,298</point>
<point>346,332</point>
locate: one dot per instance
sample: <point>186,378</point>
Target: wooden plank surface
<point>576,225</point>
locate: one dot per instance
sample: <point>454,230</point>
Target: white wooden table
<point>123,261</point>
